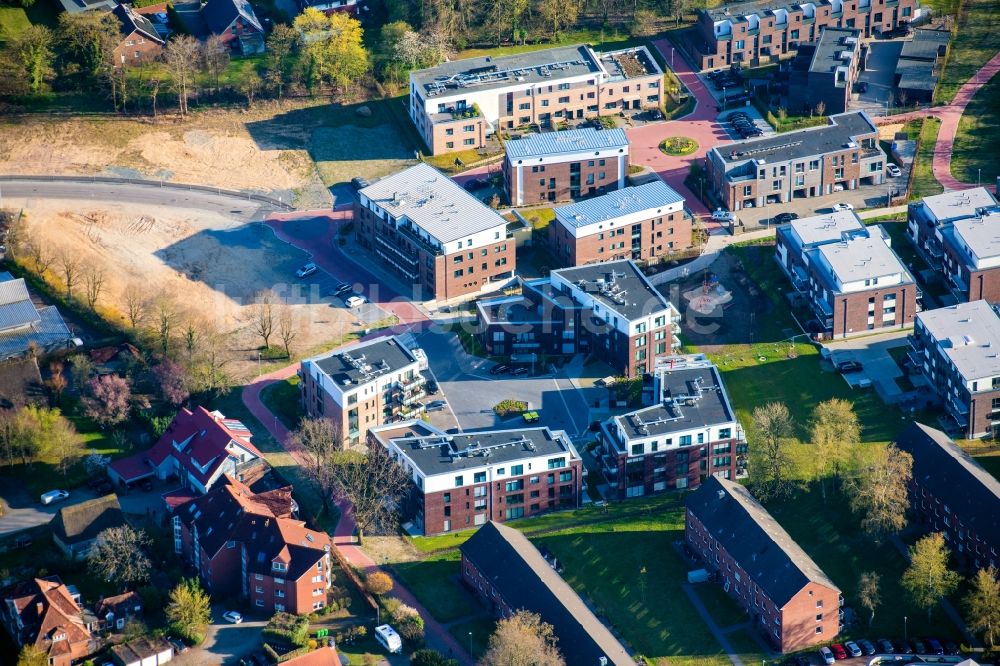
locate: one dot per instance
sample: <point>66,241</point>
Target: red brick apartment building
<point>689,432</point>
<point>467,479</point>
<point>951,493</point>
<point>421,225</point>
<point>610,310</point>
<point>788,597</point>
<point>363,386</point>
<point>140,43</point>
<point>954,351</point>
<point>811,162</point>
<point>248,545</point>
<point>509,574</point>
<point>558,166</point>
<point>48,614</point>
<point>756,33</point>
<point>594,231</point>
<point>459,104</point>
<point>958,234</point>
<point>847,273</point>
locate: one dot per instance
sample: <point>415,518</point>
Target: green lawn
<point>602,39</point>
<point>977,142</point>
<point>282,398</point>
<point>923,182</point>
<point>974,44</point>
<point>481,629</point>
<point>720,605</point>
<point>436,581</point>
<point>13,21</point>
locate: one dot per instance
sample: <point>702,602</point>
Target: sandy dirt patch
<point>211,266</point>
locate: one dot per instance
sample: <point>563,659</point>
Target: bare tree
<point>374,485</point>
<point>93,280</point>
<point>135,305</point>
<point>772,426</point>
<point>69,264</point>
<point>820,108</point>
<point>249,83</point>
<point>215,56</point>
<point>119,555</point>
<point>154,90</point>
<point>322,439</point>
<point>261,315</point>
<point>869,595</point>
<point>40,257</point>
<point>880,493</point>
<point>288,328</point>
<point>165,312</point>
<point>181,59</point>
<point>523,638</point>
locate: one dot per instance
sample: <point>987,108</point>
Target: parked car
<point>902,647</point>
<point>517,372</point>
<point>885,646</point>
<point>852,648</point>
<point>866,646</point>
<point>842,206</point>
<point>342,289</point>
<point>54,496</point>
<point>838,651</point>
<point>893,171</point>
<point>306,270</point>
<point>359,183</point>
<point>785,218</point>
<point>919,647</point>
<point>802,660</point>
<point>499,369</point>
<point>476,184</point>
<point>720,215</point>
<point>435,406</point>
<point>355,301</point>
<point>951,648</point>
<point>846,367</point>
<point>232,617</point>
<point>934,646</point>
<point>826,654</point>
<point>656,114</point>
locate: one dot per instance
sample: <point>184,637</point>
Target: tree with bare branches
<point>119,555</point>
<point>40,256</point>
<point>181,57</point>
<point>69,265</point>
<point>93,282</point>
<point>262,314</point>
<point>288,328</point>
<point>56,382</point>
<point>374,485</point>
<point>880,493</point>
<point>770,430</point>
<point>215,57</point>
<point>165,312</point>
<point>135,305</point>
<point>322,439</point>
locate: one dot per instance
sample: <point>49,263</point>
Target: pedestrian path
<point>712,626</point>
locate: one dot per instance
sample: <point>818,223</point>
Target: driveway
<point>879,76</point>
<point>24,511</point>
<point>226,642</point>
<point>869,196</point>
<point>872,351</point>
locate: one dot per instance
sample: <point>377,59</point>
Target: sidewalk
<point>712,626</point>
<point>709,253</point>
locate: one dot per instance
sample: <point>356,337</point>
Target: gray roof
<point>82,522</point>
<point>49,334</point>
<point>862,258</point>
<point>77,6</point>
<point>916,74</point>
<point>737,10</point>
<point>969,335</point>
<point>980,234</point>
<point>220,14</point>
<point>830,46</point>
<point>616,204</point>
<point>754,538</point>
<point>842,129</point>
<point>364,362</point>
<point>444,454</point>
<point>826,228</point>
<point>525,580</point>
<point>620,285</point>
<point>952,476</point>
<point>131,21</point>
<point>16,308</point>
<point>707,407</point>
<point>567,141</point>
<point>958,204</point>
<point>433,202</point>
<point>925,45</point>
<point>508,70</point>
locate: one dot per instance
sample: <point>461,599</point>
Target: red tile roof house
<point>198,447</point>
<point>47,614</point>
<point>245,544</point>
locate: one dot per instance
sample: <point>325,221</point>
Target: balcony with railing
<point>407,229</point>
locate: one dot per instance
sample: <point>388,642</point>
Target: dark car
<point>867,647</point>
<point>359,183</point>
<point>845,367</point>
<point>934,646</point>
<point>885,646</point>
<point>863,87</point>
<point>802,660</point>
<point>435,406</point>
<point>951,648</point>
<point>499,369</point>
<point>342,289</point>
<point>519,371</point>
<point>902,647</point>
<point>784,218</point>
<point>838,651</point>
<point>656,114</point>
<point>919,647</point>
<point>477,184</point>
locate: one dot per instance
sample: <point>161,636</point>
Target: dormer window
<point>278,566</point>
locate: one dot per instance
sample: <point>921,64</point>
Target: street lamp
<point>258,364</point>
<point>979,175</point>
<point>904,628</point>
<point>671,57</point>
<point>470,643</point>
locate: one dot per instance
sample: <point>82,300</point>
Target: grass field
<point>974,44</point>
<point>601,39</point>
<point>924,183</point>
<point>13,21</point>
<point>282,398</point>
<point>977,141</point>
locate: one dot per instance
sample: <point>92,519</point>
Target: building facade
<point>847,273</point>
<point>458,104</point>
<point>812,162</point>
<point>958,234</point>
<point>954,352</point>
<point>247,545</point>
<point>433,234</point>
<point>140,43</point>
<point>468,479</point>
<point>609,309</point>
<point>824,72</point>
<point>558,166</point>
<point>236,23</point>
<point>788,597</point>
<point>363,386</point>
<point>49,615</point>
<point>757,33</point>
<point>594,231</point>
<point>687,433</point>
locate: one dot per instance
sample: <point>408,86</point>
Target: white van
<point>389,639</point>
<point>54,496</point>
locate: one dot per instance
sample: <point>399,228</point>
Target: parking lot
<point>752,120</point>
<point>878,366</point>
<point>871,196</point>
<point>878,76</point>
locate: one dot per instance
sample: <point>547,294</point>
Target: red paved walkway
<point>949,114</point>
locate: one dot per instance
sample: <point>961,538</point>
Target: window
<point>278,566</point>
<point>515,485</point>
<point>747,190</point>
<point>479,477</point>
<point>469,142</point>
<point>516,512</point>
<point>517,470</point>
<point>565,476</point>
<point>459,481</point>
<point>725,433</point>
<point>555,463</point>
<point>685,440</point>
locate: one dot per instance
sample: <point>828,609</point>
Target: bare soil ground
<point>209,265</point>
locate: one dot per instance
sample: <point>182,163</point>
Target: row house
<point>509,574</point>
<point>958,234</point>
<point>199,447</point>
<point>557,166</point>
<point>825,71</point>
<point>249,546</point>
<point>48,614</point>
<point>920,64</point>
<point>787,596</point>
<point>689,432</point>
<point>610,310</point>
<point>760,32</point>
<point>848,274</point>
<point>458,104</point>
<point>464,480</point>
<point>954,351</point>
<point>434,235</point>
<point>951,494</point>
<point>842,155</point>
<point>363,386</point>
<point>594,231</point>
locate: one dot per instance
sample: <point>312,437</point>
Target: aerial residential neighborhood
<point>541,333</point>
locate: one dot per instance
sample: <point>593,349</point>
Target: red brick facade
<point>576,177</point>
<point>136,49</point>
<point>647,239</point>
<point>862,311</point>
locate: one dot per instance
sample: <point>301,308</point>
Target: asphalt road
<point>25,511</point>
<point>27,191</point>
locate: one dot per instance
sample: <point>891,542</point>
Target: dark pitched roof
<point>131,22</point>
<point>121,605</point>
<point>952,476</point>
<point>20,381</point>
<point>526,581</point>
<point>84,521</point>
<point>220,14</point>
<point>362,363</point>
<point>754,539</point>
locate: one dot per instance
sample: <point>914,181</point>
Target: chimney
<point>40,609</point>
<point>722,494</point>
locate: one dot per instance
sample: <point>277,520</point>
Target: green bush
<point>293,629</point>
<point>510,407</point>
<point>428,657</point>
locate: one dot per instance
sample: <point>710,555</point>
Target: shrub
<point>286,627</point>
<point>428,657</point>
<point>510,407</point>
<point>378,583</point>
<point>411,629</point>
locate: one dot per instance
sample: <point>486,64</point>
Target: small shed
<point>143,652</point>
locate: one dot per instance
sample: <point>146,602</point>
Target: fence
<point>111,180</point>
